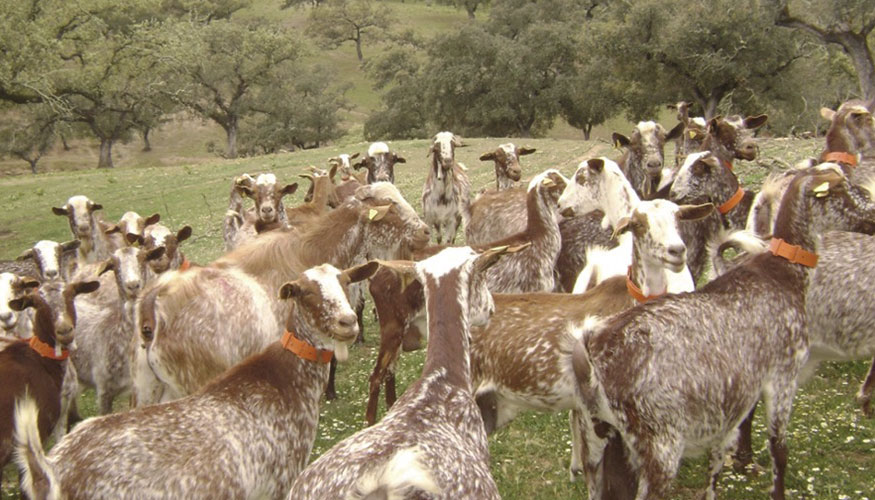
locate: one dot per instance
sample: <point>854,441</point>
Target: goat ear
<point>359,164</point>
<point>378,212</point>
<point>704,165</point>
<point>94,206</point>
<point>622,226</point>
<point>620,140</point>
<point>289,189</point>
<point>71,245</point>
<point>457,141</point>
<point>400,159</point>
<point>183,234</point>
<point>60,210</point>
<point>290,289</point>
<point>85,286</point>
<point>362,272</point>
<point>826,113</point>
<point>107,265</point>
<point>332,172</point>
<point>21,303</point>
<point>676,132</point>
<point>525,151</point>
<point>28,282</point>
<point>28,254</point>
<point>134,238</point>
<point>596,165</point>
<point>695,212</point>
<point>487,156</point>
<point>488,258</point>
<point>114,228</point>
<point>155,253</point>
<point>353,156</point>
<point>153,219</point>
<point>405,270</point>
<point>755,122</point>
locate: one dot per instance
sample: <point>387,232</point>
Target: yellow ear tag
<point>548,182</point>
<point>692,134</point>
<point>372,213</point>
<point>822,190</point>
<point>617,145</point>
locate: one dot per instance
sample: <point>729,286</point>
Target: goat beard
<point>341,351</point>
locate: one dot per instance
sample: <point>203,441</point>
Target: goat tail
<point>38,480</point>
<point>589,386</point>
<point>400,476</point>
<point>745,243</point>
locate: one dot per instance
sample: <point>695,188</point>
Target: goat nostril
<point>52,274</point>
<point>348,321</point>
<point>677,251</point>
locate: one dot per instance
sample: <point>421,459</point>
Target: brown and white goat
<point>446,197</point>
<point>322,189</point>
<point>850,142</point>
<point>159,236</point>
<point>49,260</point>
<point>343,164</point>
<point>676,375</point>
<point>245,435</point>
<point>268,213</point>
<point>643,157</point>
<point>400,309</point>
<point>132,227</point>
<point>36,366</point>
<point>12,322</point>
<point>522,359</point>
<point>197,323</point>
<point>87,227</point>
<point>380,163</point>
<point>695,131</point>
<point>499,213</point>
<point>434,431</point>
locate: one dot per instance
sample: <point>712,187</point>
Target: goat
<point>159,236</point>
<point>322,190</point>
<point>522,359</point>
<point>195,324</point>
<point>105,330</point>
<point>131,227</point>
<point>380,163</point>
<point>644,155</point>
<point>678,374</point>
<point>268,213</point>
<point>850,142</point>
<point>400,309</point>
<point>87,227</point>
<point>500,213</point>
<point>435,426</point>
<point>343,164</point>
<point>36,366</point>
<point>12,322</point>
<point>247,434</point>
<point>695,131</point>
<point>446,194</point>
<point>599,184</point>
<point>46,260</point>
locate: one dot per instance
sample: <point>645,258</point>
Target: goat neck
<point>448,326</point>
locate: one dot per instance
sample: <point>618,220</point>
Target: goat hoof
<point>866,405</point>
<point>330,395</point>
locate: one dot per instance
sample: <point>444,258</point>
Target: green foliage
<point>340,21</point>
<point>28,133</point>
<point>469,6</point>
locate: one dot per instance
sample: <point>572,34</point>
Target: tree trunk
<point>32,162</point>
<point>231,150</point>
<point>471,11</point>
<point>64,142</point>
<point>147,146</point>
<point>105,158</point>
<point>358,48</point>
<point>587,130</point>
<point>858,50</point>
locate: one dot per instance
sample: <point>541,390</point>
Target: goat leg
<point>864,397</point>
<point>743,455</point>
<point>330,392</point>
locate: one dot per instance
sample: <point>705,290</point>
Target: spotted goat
<point>435,426</point>
<point>380,163</point>
<point>446,195</point>
<point>247,434</point>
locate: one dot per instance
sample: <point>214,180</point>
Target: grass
<point>832,446</point>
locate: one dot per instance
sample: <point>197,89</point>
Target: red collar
<point>793,253</point>
<point>732,202</point>
<point>304,350</point>
<point>636,292</point>
<point>727,164</point>
<point>186,265</point>
<point>840,157</point>
<point>45,350</point>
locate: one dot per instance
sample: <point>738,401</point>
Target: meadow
<point>832,444</point>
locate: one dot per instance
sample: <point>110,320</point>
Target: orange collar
<point>304,350</point>
<point>840,157</point>
<point>636,292</point>
<point>732,202</point>
<point>793,253</point>
<point>186,264</point>
<point>727,165</point>
<point>45,350</point>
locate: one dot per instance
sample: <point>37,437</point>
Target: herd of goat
<point>575,294</point>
